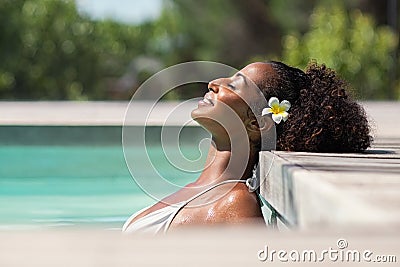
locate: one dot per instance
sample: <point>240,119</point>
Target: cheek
<point>235,108</point>
<point>239,105</point>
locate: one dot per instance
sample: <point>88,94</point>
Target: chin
<point>200,113</point>
<point>193,114</point>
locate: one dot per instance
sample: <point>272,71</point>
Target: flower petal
<point>277,118</point>
<point>284,115</point>
<point>266,111</point>
<point>284,105</point>
<point>273,101</point>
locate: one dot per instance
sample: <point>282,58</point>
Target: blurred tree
<point>225,31</point>
<point>291,15</point>
<point>350,43</point>
<point>218,30</point>
<point>50,51</point>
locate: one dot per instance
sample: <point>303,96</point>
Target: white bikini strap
<point>194,197</point>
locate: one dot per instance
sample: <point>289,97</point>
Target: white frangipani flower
<point>278,110</point>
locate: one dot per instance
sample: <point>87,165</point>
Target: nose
<point>213,86</point>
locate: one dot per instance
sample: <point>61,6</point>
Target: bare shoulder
<point>238,203</point>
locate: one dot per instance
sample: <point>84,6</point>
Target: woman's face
<point>228,98</point>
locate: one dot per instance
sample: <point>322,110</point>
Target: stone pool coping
<point>314,190</point>
<point>382,115</point>
<point>90,113</point>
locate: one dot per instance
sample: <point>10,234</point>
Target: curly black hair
<point>322,118</point>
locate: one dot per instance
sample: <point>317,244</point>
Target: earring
<point>252,182</point>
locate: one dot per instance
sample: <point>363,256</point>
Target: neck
<point>228,161</point>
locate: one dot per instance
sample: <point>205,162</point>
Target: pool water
<point>70,186</point>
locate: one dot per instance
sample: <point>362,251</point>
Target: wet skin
<point>225,114</point>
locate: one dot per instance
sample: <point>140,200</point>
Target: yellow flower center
<point>276,109</point>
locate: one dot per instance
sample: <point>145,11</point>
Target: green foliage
<point>350,43</point>
<point>291,14</point>
<point>50,51</point>
<point>227,31</point>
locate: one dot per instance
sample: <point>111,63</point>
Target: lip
<point>206,101</point>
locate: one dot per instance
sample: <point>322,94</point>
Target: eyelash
<point>231,86</point>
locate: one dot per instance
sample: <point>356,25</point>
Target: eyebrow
<point>241,75</point>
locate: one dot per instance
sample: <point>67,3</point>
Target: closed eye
<point>231,86</point>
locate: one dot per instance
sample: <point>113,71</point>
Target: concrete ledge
<point>95,113</point>
<point>94,123</point>
<point>382,115</point>
<point>328,190</point>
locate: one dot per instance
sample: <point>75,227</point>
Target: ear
<point>263,124</point>
<point>252,126</point>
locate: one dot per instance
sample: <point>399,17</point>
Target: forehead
<point>258,72</point>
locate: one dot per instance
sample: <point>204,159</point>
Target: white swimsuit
<point>159,220</point>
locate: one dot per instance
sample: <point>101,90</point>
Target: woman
<point>315,115</point>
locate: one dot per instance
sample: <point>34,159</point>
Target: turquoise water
<point>63,186</point>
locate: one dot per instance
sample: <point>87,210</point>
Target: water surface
<point>63,186</point>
